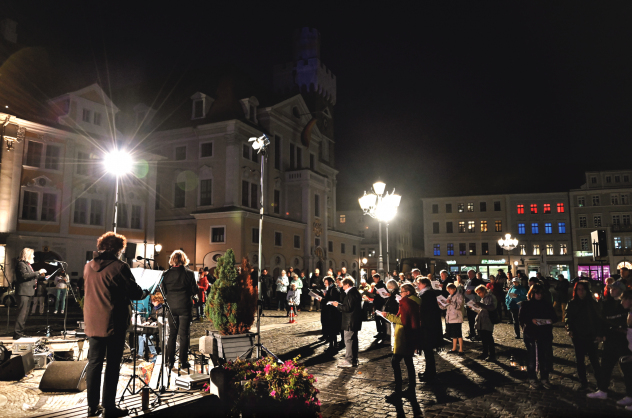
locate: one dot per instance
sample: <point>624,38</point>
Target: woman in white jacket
<point>281,288</point>
<point>454,318</point>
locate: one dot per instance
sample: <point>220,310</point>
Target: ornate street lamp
<point>382,207</point>
<point>508,244</point>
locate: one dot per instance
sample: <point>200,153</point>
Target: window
<point>536,249</point>
<point>548,228</point>
<point>461,207</point>
<point>484,248</point>
<point>330,246</point>
<point>245,151</point>
<point>617,179</point>
<point>255,235</point>
<point>82,163</point>
<point>499,249</point>
<point>297,241</point>
<point>97,119</point>
<point>462,250</point>
<point>584,244</point>
<point>626,178</point>
<point>205,192</point>
<point>472,249</point>
<point>450,249</point>
<point>181,153</point>
<point>254,156</point>
<point>608,179</point>
<point>157,202</point>
<point>626,219</point>
<point>437,249</point>
<point>122,219</point>
<point>617,243</point>
<point>253,196</point>
<point>470,207</point>
<point>462,226</point>
<point>52,157</point>
<point>277,152</point>
<point>206,149</point>
<point>292,157</point>
<point>561,227</point>
<point>277,200</point>
<point>614,199</point>
<point>49,207</point>
<point>624,199</point>
<point>482,206</point>
<point>435,227</point>
<point>245,192</point>
<point>483,226</point>
<point>81,210</point>
<point>593,180</point>
<point>534,208</point>
<point>560,208</point>
<point>312,162</point>
<point>595,200</point>
<point>520,209</point>
<point>217,234</point>
<point>535,229</point>
<point>448,228</point>
<point>179,195</point>
<point>523,249</point>
<point>96,212</point>
<point>549,249</point>
<point>563,250</point>
<point>499,226</point>
<point>627,242</point>
<point>448,208</point>
<point>521,229</point>
<point>616,220</point>
<point>581,201</point>
<point>582,222</point>
<point>497,206</point>
<point>198,109</point>
<point>343,219</point>
<point>343,248</point>
<point>316,205</point>
<point>354,250</point>
<point>136,219</point>
<point>86,115</point>
<point>547,208</point>
<point>471,226</point>
<point>597,220</point>
<point>34,154</point>
<point>435,208</point>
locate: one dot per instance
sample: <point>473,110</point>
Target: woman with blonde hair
<point>179,288</point>
<point>25,284</point>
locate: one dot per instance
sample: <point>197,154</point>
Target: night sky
<point>435,100</point>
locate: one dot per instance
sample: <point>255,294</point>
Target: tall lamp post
<point>119,163</point>
<point>382,207</point>
<point>508,244</point>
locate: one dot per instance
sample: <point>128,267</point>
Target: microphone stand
<point>165,308</point>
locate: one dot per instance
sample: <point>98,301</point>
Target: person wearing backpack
<point>484,324</point>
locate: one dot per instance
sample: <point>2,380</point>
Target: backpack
<point>493,315</point>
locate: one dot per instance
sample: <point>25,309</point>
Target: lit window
<point>461,207</point>
<point>471,226</point>
<point>521,229</point>
<point>549,249</point>
<point>462,226</point>
<point>520,209</point>
<point>582,222</point>
<point>581,201</point>
<point>584,244</point>
<point>534,208</point>
<point>483,226</point>
<point>470,207</point>
<point>563,250</point>
<point>597,220</point>
<point>617,243</point>
<point>595,200</point>
<point>523,249</point>
<point>435,227</point>
<point>437,249</point>
<point>462,250</point>
<point>499,226</point>
<point>560,208</point>
<point>472,249</point>
<point>548,228</point>
<point>547,208</point>
<point>561,227</point>
<point>343,219</point>
<point>450,249</point>
<point>536,249</point>
<point>535,229</point>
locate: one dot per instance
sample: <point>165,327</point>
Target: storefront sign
<point>583,254</point>
<point>451,262</point>
<point>503,261</point>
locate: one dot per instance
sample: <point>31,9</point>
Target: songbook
<point>436,285</point>
<point>398,298</point>
<point>442,301</point>
<point>472,305</point>
<point>380,313</point>
<point>543,322</point>
<point>315,295</point>
<point>382,292</point>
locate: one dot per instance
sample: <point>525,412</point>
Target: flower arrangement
<point>265,388</point>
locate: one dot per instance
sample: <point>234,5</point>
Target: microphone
<point>140,258</point>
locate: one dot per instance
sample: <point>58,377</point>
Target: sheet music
<point>442,300</point>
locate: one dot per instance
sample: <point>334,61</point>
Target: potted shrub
<point>231,306</point>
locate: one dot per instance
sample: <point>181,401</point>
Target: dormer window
<point>201,105</point>
<point>249,107</point>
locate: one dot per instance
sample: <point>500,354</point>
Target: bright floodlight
<point>364,261</point>
<point>118,162</point>
<point>379,187</point>
<point>158,248</point>
<point>259,144</point>
<point>367,201</point>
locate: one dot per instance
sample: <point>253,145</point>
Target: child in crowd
<point>293,300</point>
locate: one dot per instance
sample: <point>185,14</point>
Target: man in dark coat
<point>474,280</point>
<point>25,284</point>
<point>351,321</point>
<point>431,329</point>
<point>378,304</point>
<point>266,284</point>
<point>330,317</point>
<point>109,287</point>
<point>315,284</point>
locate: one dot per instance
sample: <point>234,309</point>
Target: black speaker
<point>64,376</point>
<point>130,252</point>
<point>599,243</point>
<point>17,367</point>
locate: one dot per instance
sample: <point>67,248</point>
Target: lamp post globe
<point>119,163</point>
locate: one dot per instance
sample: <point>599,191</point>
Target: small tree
<point>232,303</point>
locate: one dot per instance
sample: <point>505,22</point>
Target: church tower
<point>309,77</point>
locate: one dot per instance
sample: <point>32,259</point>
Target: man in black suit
<point>25,284</point>
<point>431,329</point>
<point>378,304</point>
<point>351,321</point>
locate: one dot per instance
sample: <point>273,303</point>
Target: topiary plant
<point>232,302</point>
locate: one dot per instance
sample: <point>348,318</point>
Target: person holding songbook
<point>454,317</point>
<point>330,317</point>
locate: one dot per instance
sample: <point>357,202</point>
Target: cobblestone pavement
<point>466,386</point>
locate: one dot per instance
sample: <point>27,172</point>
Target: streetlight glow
<point>379,187</point>
<point>118,162</point>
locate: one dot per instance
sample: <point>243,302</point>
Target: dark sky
<point>433,99</point>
